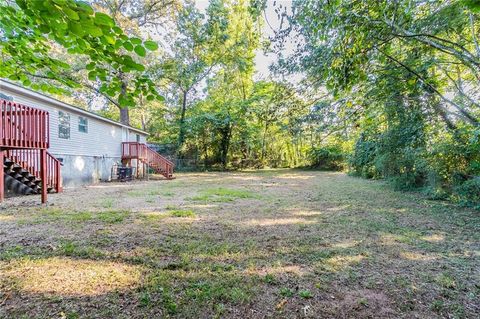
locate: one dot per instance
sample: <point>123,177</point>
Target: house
<point>86,144</point>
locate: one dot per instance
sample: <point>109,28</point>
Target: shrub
<point>362,160</point>
<point>468,193</point>
<point>329,157</point>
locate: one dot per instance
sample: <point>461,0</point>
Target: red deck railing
<point>24,138</point>
<point>135,150</point>
<point>23,126</point>
<point>31,161</point>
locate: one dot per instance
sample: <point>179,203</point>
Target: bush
<point>468,193</point>
<point>327,157</point>
<point>362,160</point>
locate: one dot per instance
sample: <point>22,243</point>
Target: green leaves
<point>93,31</point>
<point>136,40</point>
<point>128,46</point>
<point>473,5</point>
<point>28,30</point>
<point>103,19</point>
<point>92,75</point>
<point>151,45</point>
<point>140,50</point>
<point>76,28</point>
<point>71,14</point>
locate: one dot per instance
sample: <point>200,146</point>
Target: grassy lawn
<point>275,244</point>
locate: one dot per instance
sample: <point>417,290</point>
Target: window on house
<point>138,138</point>
<point>82,124</point>
<point>63,125</point>
<point>6,97</point>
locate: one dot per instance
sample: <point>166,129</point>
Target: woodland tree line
<point>381,89</point>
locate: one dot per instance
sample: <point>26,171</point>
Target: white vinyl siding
<point>103,137</point>
<point>132,137</point>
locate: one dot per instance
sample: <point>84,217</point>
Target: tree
<point>403,81</point>
<point>198,48</point>
<point>32,31</point>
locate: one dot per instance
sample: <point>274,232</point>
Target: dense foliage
<point>31,32</point>
<point>407,72</point>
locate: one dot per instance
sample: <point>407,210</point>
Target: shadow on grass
<point>336,253</point>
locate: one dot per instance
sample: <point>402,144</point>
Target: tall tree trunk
<point>205,153</point>
<point>124,115</point>
<point>264,140</point>
<point>225,144</point>
<point>181,134</point>
<point>144,121</point>
<point>124,112</point>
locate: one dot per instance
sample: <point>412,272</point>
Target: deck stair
<point>22,175</point>
<point>28,168</point>
<point>148,156</point>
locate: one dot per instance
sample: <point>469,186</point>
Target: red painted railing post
<point>141,152</point>
<point>58,177</point>
<point>2,186</point>
<point>43,174</point>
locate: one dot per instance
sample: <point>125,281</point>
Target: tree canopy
<point>33,30</point>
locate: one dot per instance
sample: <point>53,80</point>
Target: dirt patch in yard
<point>260,244</point>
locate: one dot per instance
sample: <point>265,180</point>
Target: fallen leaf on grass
<point>281,304</point>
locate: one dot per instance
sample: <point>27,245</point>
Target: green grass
<point>335,243</point>
<point>107,203</point>
<point>154,192</point>
<point>286,292</point>
<point>74,218</point>
<point>112,216</point>
<point>182,213</point>
<point>306,294</point>
<point>446,281</point>
<point>269,279</point>
<point>221,194</point>
<point>74,249</point>
<point>168,194</point>
<point>12,252</point>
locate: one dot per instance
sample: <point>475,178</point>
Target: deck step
<point>21,181</point>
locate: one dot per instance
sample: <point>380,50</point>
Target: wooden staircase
<point>148,156</point>
<point>22,173</point>
<point>28,168</point>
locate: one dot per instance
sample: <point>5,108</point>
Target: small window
<point>138,138</point>
<point>82,124</point>
<point>6,97</point>
<point>63,125</point>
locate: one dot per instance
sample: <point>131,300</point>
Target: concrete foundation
<point>80,170</point>
<point>84,170</point>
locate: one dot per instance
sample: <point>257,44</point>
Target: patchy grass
<point>71,277</point>
<point>137,193</point>
<point>182,213</point>
<point>73,218</point>
<point>220,195</point>
<point>112,216</point>
<point>107,202</point>
<point>154,216</point>
<point>275,244</point>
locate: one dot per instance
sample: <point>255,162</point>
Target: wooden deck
<point>24,140</point>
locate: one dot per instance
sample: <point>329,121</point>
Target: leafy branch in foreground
<point>31,32</point>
